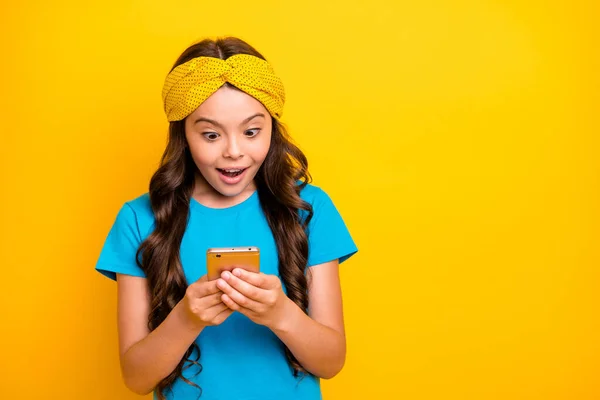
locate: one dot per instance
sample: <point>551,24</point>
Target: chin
<point>230,191</point>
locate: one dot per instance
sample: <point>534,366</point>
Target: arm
<point>148,357</point>
<point>317,340</point>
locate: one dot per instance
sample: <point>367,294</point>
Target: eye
<point>252,132</point>
<point>211,136</point>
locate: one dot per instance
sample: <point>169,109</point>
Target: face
<point>229,136</point>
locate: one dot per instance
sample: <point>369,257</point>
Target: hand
<point>258,296</point>
<point>202,304</point>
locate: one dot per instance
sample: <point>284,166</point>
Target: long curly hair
<point>279,181</point>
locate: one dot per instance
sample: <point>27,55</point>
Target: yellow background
<point>459,140</point>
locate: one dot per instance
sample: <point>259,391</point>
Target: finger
<point>203,289</point>
<point>203,278</point>
<point>232,305</point>
<point>222,316</point>
<point>212,300</point>
<point>237,297</point>
<point>213,311</point>
<point>257,279</point>
<point>207,314</point>
<point>250,291</point>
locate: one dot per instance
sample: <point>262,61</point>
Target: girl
<point>229,176</point>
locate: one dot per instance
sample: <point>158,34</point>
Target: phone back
<point>226,259</point>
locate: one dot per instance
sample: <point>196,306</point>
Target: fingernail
<point>226,275</point>
<point>237,272</point>
<point>221,283</point>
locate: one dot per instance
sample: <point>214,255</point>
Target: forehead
<point>229,104</point>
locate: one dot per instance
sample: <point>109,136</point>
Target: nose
<point>233,149</point>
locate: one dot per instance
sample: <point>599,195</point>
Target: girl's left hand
<point>258,296</point>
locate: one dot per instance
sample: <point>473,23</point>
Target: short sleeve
<point>328,236</point>
<point>118,254</point>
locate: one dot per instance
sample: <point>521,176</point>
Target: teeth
<point>232,170</point>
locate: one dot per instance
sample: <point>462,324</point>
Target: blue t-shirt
<point>240,359</point>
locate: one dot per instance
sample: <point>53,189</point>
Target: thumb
<point>204,278</point>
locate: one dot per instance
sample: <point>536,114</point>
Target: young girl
<point>229,177</point>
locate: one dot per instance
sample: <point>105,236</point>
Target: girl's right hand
<point>202,304</point>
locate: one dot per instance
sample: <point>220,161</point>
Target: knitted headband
<point>188,85</point>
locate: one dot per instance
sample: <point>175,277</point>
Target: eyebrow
<point>212,121</point>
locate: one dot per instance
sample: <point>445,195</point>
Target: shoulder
<point>320,201</point>
<point>140,205</point>
<point>328,236</point>
<point>313,194</point>
<point>138,211</point>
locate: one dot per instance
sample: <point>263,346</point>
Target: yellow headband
<point>188,85</point>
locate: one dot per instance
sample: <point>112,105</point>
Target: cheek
<point>262,148</point>
<point>203,156</point>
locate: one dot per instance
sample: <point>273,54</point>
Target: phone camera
<point>218,256</point>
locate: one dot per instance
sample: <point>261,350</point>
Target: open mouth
<point>231,173</point>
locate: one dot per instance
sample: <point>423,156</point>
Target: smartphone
<point>227,258</point>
